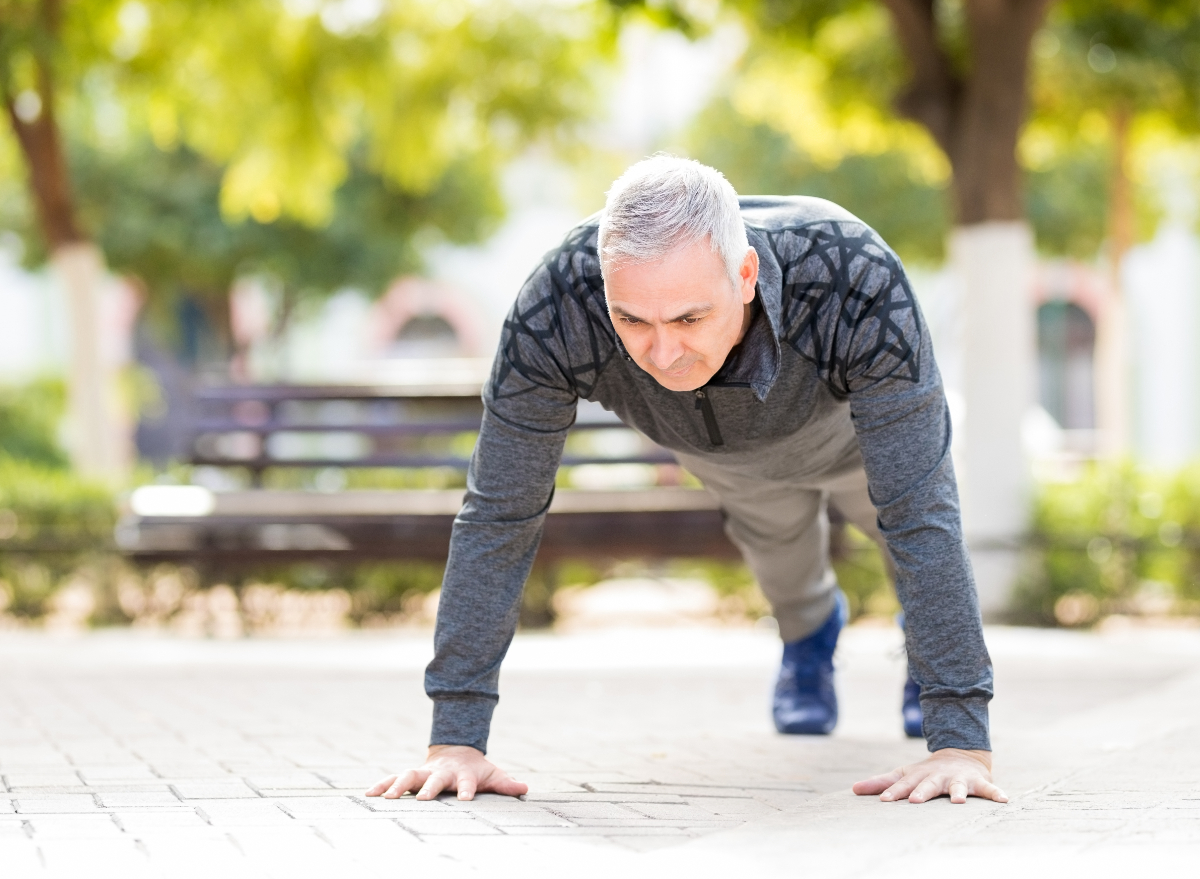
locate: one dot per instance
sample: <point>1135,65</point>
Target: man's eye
<point>689,320</point>
<point>630,321</point>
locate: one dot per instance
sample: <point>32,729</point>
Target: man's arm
<point>529,405</point>
<point>874,347</point>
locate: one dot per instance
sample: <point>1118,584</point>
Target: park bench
<point>422,429</point>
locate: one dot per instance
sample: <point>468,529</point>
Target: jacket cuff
<point>462,720</point>
<point>956,723</point>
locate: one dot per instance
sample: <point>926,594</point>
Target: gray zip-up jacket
<point>838,338</point>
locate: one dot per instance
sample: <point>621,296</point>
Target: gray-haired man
<point>774,345</point>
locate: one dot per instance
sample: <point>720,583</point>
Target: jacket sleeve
<point>882,359</point>
<point>529,404</point>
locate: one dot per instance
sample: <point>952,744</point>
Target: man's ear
<point>748,274</point>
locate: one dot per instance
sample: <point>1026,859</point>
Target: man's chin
<point>691,380</point>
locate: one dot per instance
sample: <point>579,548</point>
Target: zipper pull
<point>704,405</point>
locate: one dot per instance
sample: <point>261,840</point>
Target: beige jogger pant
<point>781,527</point>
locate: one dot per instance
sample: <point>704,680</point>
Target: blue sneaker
<point>910,707</point>
<point>805,701</point>
<point>914,718</point>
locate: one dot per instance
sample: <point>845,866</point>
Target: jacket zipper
<point>710,419</point>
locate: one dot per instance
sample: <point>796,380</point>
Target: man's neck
<point>747,317</point>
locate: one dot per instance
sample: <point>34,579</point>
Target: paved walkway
<point>648,754</point>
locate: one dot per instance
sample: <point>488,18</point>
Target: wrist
<point>984,757</point>
<point>443,750</point>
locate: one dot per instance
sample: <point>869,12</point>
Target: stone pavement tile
<point>192,771</point>
<point>201,859</point>
<point>488,803</point>
<point>350,777</point>
<point>33,756</point>
<point>150,822</point>
<point>294,844</point>
<point>7,807</point>
<point>233,813</point>
<point>673,811</point>
<point>409,805</point>
<point>785,800</point>
<point>285,781</point>
<point>454,826</point>
<point>21,780</point>
<point>601,797</point>
<point>507,819</point>
<point>544,784</point>
<point>648,842</point>
<point>120,772</point>
<point>104,857</point>
<point>263,766</point>
<point>319,808</point>
<point>361,838</point>
<point>578,810</point>
<point>740,807</point>
<point>35,804</point>
<point>639,821</point>
<point>139,799</point>
<point>20,858</point>
<point>214,790</point>
<point>313,793</point>
<point>12,826</point>
<point>99,826</point>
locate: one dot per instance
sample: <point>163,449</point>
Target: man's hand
<point>450,767</point>
<point>960,774</point>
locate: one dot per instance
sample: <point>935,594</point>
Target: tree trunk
<point>975,116</point>
<point>96,443</point>
<point>1112,344</point>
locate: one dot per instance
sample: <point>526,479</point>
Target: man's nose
<point>665,349</point>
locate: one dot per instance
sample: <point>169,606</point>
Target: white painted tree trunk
<point>1112,374</point>
<point>98,437</point>
<point>994,265</point>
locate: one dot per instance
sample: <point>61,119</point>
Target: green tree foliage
<point>828,76</point>
<point>308,139</point>
<point>1111,78</point>
<point>882,188</point>
<point>157,216</point>
<point>285,95</point>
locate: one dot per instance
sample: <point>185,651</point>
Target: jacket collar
<point>754,363</point>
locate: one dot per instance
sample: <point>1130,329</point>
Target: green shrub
<point>52,526</point>
<point>29,417</point>
<point>1119,539</point>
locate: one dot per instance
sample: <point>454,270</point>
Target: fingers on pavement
<point>877,784</point>
<point>989,791</point>
<point>380,786</point>
<point>905,786</point>
<point>435,784</point>
<point>466,786</point>
<point>958,791</point>
<point>410,780</point>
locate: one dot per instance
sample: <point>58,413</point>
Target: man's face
<point>679,317</point>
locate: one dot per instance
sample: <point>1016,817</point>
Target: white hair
<point>664,203</point>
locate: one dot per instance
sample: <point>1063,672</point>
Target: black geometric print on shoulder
<point>847,306</point>
<point>557,334</point>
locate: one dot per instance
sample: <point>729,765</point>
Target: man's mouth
<point>678,371</point>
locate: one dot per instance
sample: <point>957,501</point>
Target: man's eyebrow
<point>694,311</point>
<point>616,309</point>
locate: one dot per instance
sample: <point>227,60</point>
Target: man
<point>775,347</point>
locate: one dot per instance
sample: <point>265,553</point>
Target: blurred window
<point>1066,342</point>
<point>426,335</point>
